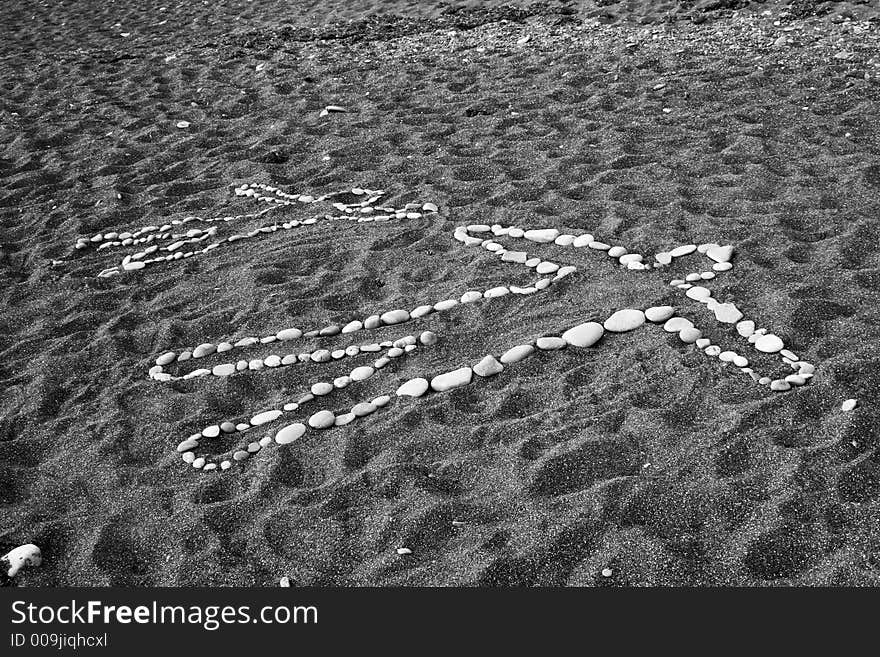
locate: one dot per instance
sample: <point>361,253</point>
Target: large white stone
<point>488,366</point>
<point>413,388</point>
<point>224,369</point>
<point>542,235</point>
<point>550,343</point>
<point>322,420</point>
<point>290,433</point>
<point>362,372</point>
<point>454,379</point>
<point>676,324</point>
<point>584,335</point>
<point>720,253</point>
<point>769,343</point>
<point>659,313</point>
<point>289,334</point>
<point>698,293</point>
<point>727,313</point>
<point>624,320</point>
<point>395,317</point>
<point>517,353</point>
<point>265,417</point>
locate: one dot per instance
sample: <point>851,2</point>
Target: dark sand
<point>639,455</point>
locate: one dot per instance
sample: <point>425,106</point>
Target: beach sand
<point>649,124</point>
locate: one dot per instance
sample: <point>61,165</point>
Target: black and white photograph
<point>350,294</point>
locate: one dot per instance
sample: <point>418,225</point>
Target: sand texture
<point>649,124</point>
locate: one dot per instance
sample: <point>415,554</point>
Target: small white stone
<point>395,317</point>
<point>471,296</point>
<point>849,405</point>
<point>205,349</point>
<point>488,366</point>
<point>659,313</point>
<point>289,334</point>
<point>745,328</point>
<point>413,388</point>
<point>517,353</point>
<point>541,236</point>
<point>362,409</point>
<point>454,379</point>
<point>322,388</point>
<point>769,343</point>
<point>720,253</point>
<point>21,557</point>
<point>727,313</point>
<point>698,293</point>
<point>421,311</point>
<point>624,320</point>
<point>683,250</point>
<point>584,335</point>
<point>428,338</point>
<point>265,417</point>
<point>690,334</point>
<point>322,420</point>
<point>224,369</point>
<point>361,373</point>
<point>550,343</point>
<point>211,432</point>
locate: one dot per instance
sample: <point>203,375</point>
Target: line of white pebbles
<point>548,272</point>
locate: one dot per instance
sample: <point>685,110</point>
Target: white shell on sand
<point>517,353</point>
<point>322,420</point>
<point>769,343</point>
<point>413,388</point>
<point>624,320</point>
<point>584,335</point>
<point>291,432</point>
<point>17,558</point>
<point>488,366</point>
<point>659,313</point>
<point>454,379</point>
<point>265,417</point>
